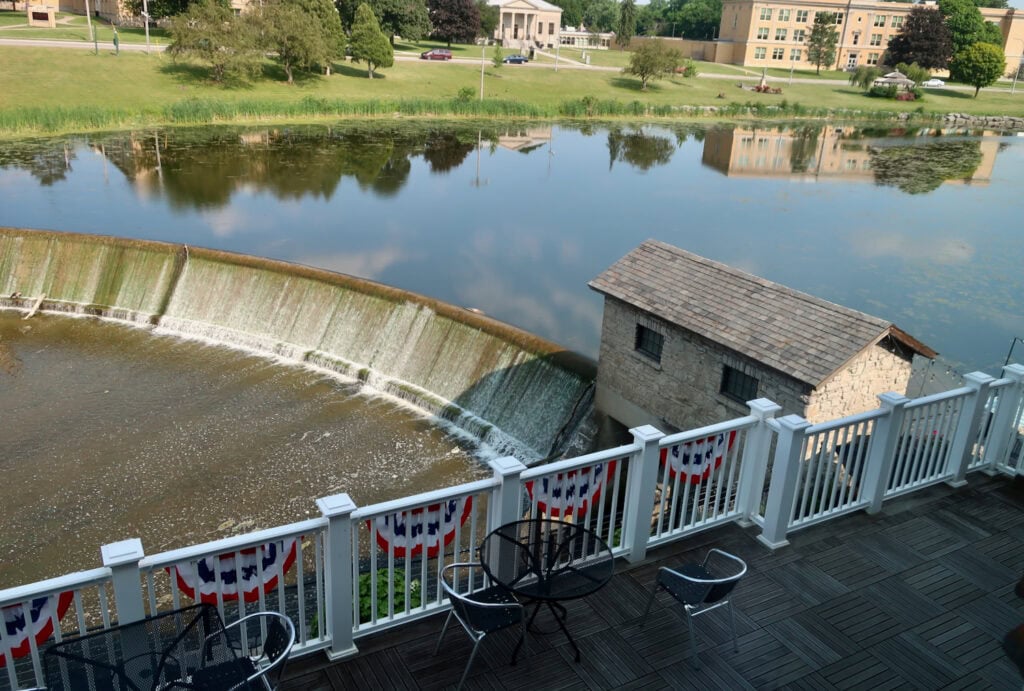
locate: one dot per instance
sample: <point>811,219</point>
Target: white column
<point>506,507</point>
<point>885,437</point>
<point>1004,421</point>
<point>967,427</point>
<point>122,558</point>
<point>786,469</point>
<point>338,579</point>
<point>754,464</point>
<point>641,481</point>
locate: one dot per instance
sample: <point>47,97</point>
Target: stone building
<point>687,341</point>
<point>526,24</point>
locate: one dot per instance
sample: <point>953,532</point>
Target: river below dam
<point>113,431</point>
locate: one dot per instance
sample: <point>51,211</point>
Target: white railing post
<point>1004,421</point>
<point>338,580</point>
<point>786,467</point>
<point>967,425</point>
<point>885,438</point>
<point>506,507</point>
<point>640,483</point>
<point>506,504</point>
<point>122,558</point>
<point>755,460</point>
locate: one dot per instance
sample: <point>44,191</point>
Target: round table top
<point>547,559</point>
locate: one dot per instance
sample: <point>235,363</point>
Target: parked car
<point>515,59</point>
<point>933,82</point>
<point>436,54</point>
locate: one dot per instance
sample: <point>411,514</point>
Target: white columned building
<point>524,24</point>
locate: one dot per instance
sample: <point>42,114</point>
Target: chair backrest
<point>278,642</point>
<point>485,610</point>
<point>726,573</point>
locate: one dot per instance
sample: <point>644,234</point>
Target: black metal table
<point>547,562</point>
<point>182,649</point>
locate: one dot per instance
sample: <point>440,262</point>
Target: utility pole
<point>92,34</point>
<point>483,54</point>
<point>145,19</point>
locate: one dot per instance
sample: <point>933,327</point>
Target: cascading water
<point>519,394</point>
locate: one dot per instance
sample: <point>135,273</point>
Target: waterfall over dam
<point>516,392</point>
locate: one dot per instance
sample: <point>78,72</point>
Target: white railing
<point>355,571</point>
<point>52,610</point>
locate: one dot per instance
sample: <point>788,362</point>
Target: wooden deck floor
<point>918,596</point>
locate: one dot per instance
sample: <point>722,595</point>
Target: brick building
<point>687,341</point>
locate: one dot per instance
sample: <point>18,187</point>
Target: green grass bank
<point>51,91</point>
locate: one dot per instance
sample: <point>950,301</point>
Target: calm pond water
<point>912,227</point>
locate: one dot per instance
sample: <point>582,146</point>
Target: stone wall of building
<point>855,388</point>
<point>683,390</point>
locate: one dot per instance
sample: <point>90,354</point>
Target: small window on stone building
<point>649,342</point>
<point>738,386</point>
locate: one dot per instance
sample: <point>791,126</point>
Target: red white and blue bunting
<point>408,532</point>
<point>696,459</point>
<point>40,610</point>
<point>275,558</point>
<point>571,492</point>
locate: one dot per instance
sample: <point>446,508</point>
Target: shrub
<point>365,599</point>
<point>889,91</point>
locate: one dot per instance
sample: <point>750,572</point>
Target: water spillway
<point>516,392</point>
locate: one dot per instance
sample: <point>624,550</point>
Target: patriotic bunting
<point>17,631</point>
<point>570,492</point>
<point>408,532</point>
<point>276,558</point>
<point>696,459</point>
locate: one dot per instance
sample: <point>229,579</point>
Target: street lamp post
<point>145,20</point>
<point>483,54</point>
<point>1020,64</point>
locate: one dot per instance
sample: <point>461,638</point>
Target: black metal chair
<point>701,588</point>
<point>263,641</point>
<point>480,612</point>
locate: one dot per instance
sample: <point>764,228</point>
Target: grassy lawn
<point>72,27</point>
<point>139,86</point>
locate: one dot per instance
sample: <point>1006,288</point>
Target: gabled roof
<point>795,333</point>
<point>536,4</point>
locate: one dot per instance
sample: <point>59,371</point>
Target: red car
<point>436,54</point>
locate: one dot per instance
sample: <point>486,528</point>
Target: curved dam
<point>516,393</point>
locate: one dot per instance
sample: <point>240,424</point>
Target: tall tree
<point>979,65</point>
<point>367,42</point>
<point>652,60</point>
<point>649,18</point>
<point>210,32</point>
<point>822,42</point>
<point>490,15</point>
<point>700,19</point>
<point>405,18</point>
<point>924,39</point>
<point>600,15</point>
<point>991,33</point>
<point>626,28</point>
<point>964,21</point>
<point>572,11</point>
<point>454,20</point>
<point>295,36</point>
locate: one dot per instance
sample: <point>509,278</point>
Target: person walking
<point>117,43</point>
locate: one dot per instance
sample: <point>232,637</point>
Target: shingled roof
<point>795,333</point>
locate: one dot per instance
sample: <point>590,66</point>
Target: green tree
<point>210,33</point>
<point>489,17</point>
<point>295,36</point>
<point>699,19</point>
<point>964,21</point>
<point>998,4</point>
<point>626,28</point>
<point>822,42</point>
<point>649,18</point>
<point>572,11</point>
<point>913,72</point>
<point>978,65</point>
<point>919,169</point>
<point>924,39</point>
<point>600,15</point>
<point>405,18</point>
<point>367,42</point>
<point>865,76</point>
<point>991,33</point>
<point>454,20</point>
<point>497,56</point>
<point>652,60</point>
<point>159,9</point>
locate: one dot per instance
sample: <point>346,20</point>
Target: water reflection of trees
<point>916,169</point>
<point>641,150</point>
<point>48,164</point>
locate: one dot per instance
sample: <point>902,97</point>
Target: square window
<point>799,35</point>
<point>737,385</point>
<point>759,53</point>
<point>762,33</point>
<point>795,54</point>
<point>872,58</point>
<point>766,14</point>
<point>801,16</point>
<point>780,34</point>
<point>876,39</point>
<point>649,342</point>
<point>777,53</point>
<point>880,20</point>
<point>897,21</point>
<point>783,15</point>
